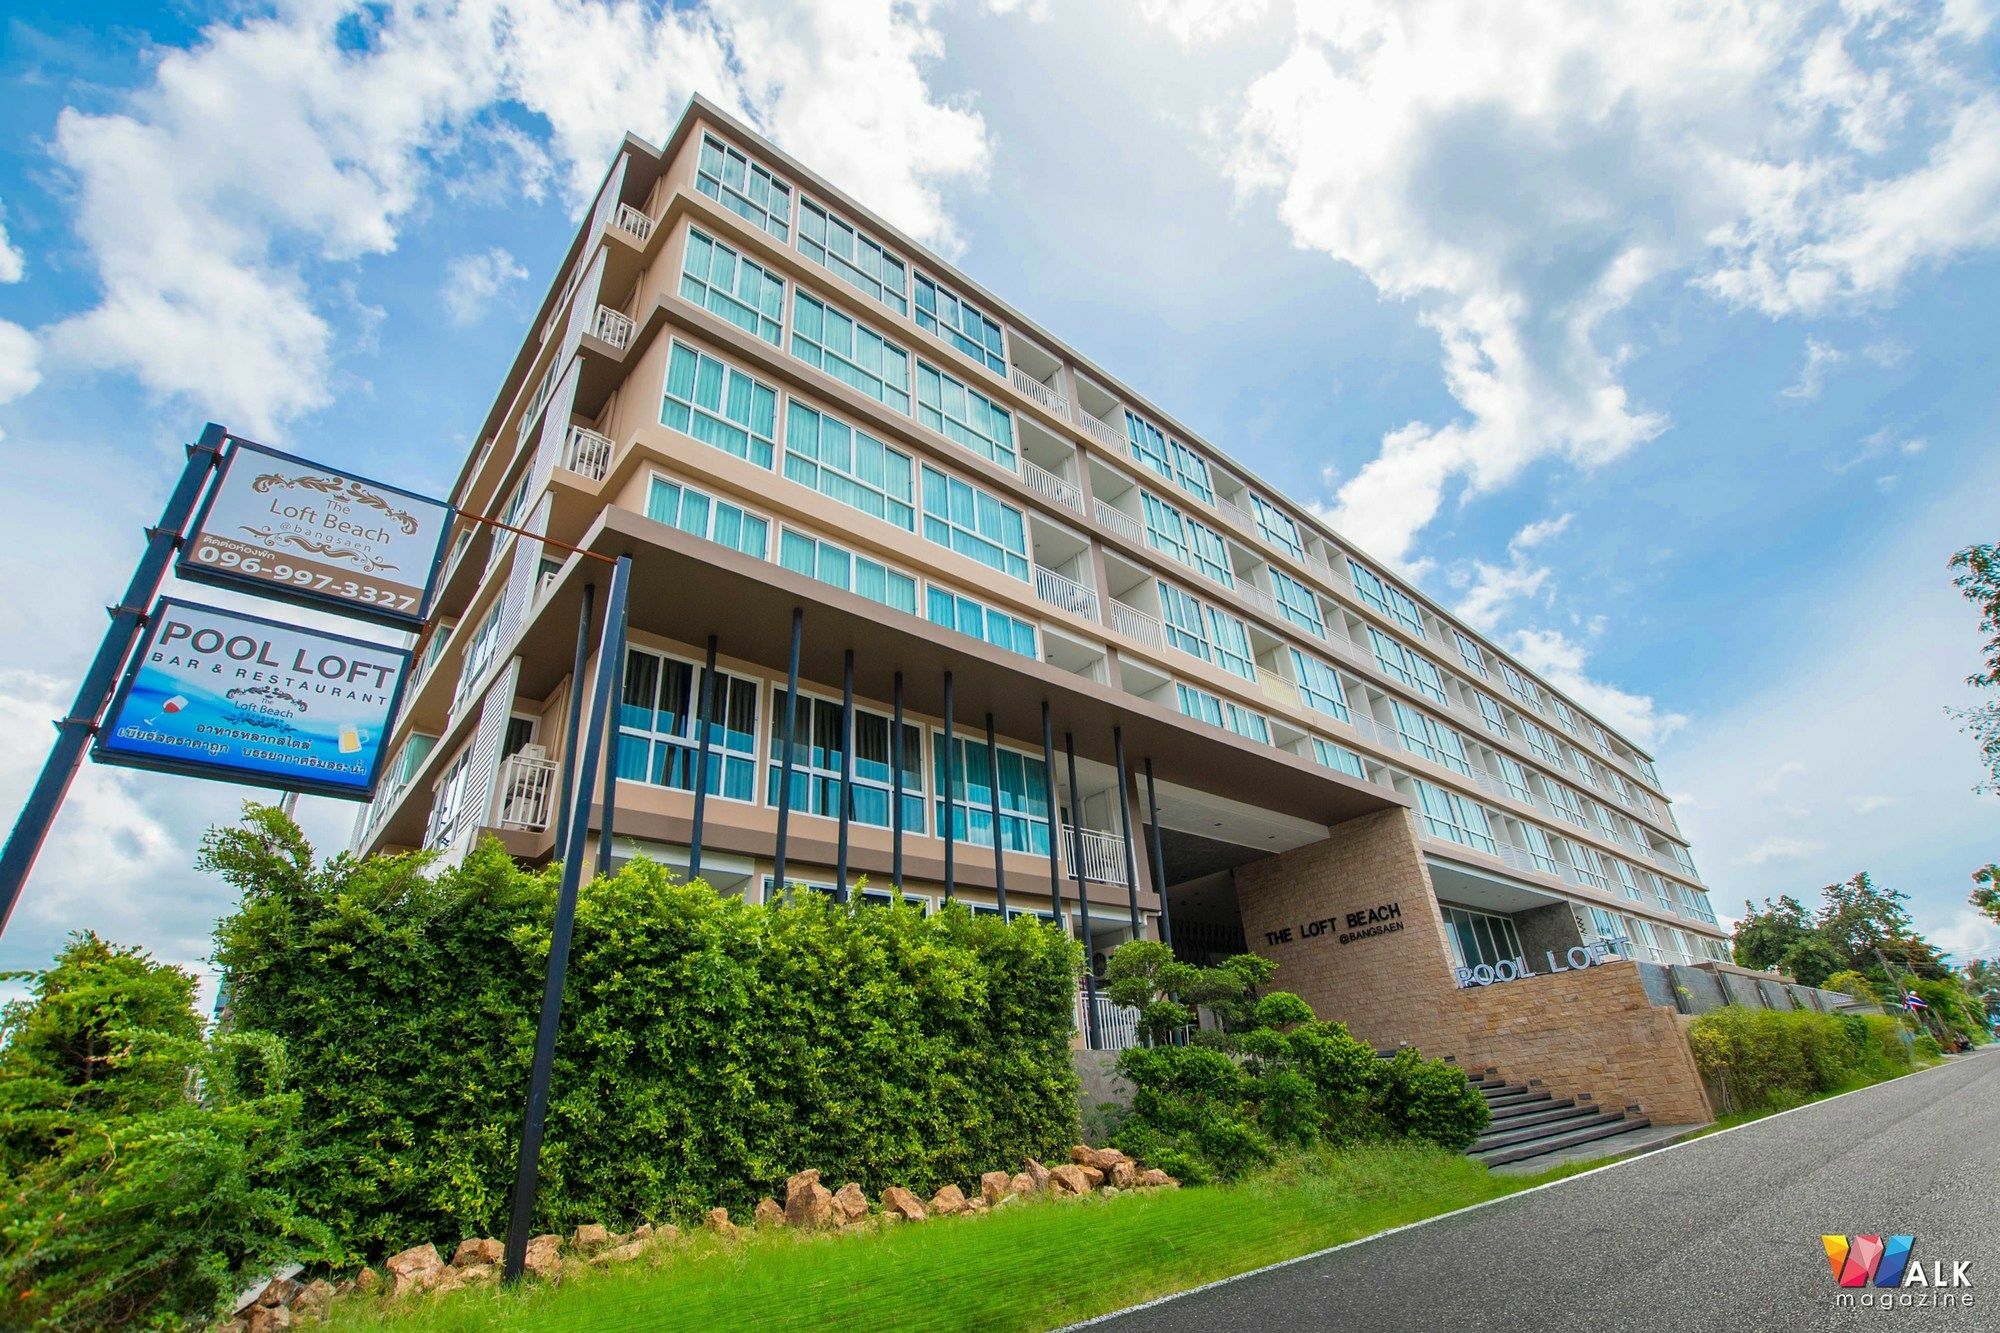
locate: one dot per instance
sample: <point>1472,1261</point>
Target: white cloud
<point>1872,803</point>
<point>1534,534</point>
<point>1967,934</point>
<point>13,265</point>
<point>1491,589</point>
<point>1192,21</point>
<point>1884,443</point>
<point>471,282</point>
<point>1780,848</point>
<point>1886,353</point>
<point>20,363</point>
<point>1561,661</point>
<point>212,200</point>
<point>1812,376</point>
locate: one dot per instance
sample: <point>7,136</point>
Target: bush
<point>1764,1059</point>
<point>142,1166</point>
<point>709,1047</point>
<point>1854,984</point>
<point>1430,1101</point>
<point>1927,1048</point>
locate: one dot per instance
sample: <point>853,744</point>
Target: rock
<point>1112,1191</point>
<point>620,1254</point>
<point>472,1273</point>
<point>995,1186</point>
<point>544,1257</point>
<point>588,1238</point>
<point>1102,1159</point>
<point>1070,1178</point>
<point>948,1202</point>
<point>478,1250</point>
<point>899,1202</point>
<point>278,1291</point>
<point>415,1269</point>
<point>808,1203</point>
<point>768,1213</point>
<point>1123,1174</point>
<point>664,1235</point>
<point>268,1319</point>
<point>1039,1174</point>
<point>643,1232</point>
<point>1154,1178</point>
<point>850,1205</point>
<point>313,1298</point>
<point>1022,1183</point>
<point>719,1223</point>
<point>976,1205</point>
<point>448,1280</point>
<point>367,1280</point>
<point>1093,1175</point>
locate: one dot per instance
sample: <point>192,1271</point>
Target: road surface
<point>1721,1232</point>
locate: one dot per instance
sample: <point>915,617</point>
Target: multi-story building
<point>1177,700</point>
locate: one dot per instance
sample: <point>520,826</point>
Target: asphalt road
<point>1721,1232</point>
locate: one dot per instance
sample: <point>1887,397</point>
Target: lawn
<point>1033,1265</point>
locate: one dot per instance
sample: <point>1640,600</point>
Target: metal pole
<point>1055,821</point>
<point>846,772</point>
<point>896,792</point>
<point>572,741</point>
<point>1159,857</point>
<point>73,733</point>
<point>950,793</point>
<point>785,759</point>
<point>1125,826</point>
<point>1082,900</point>
<point>614,627</point>
<point>993,793</point>
<point>527,1168</point>
<point>703,720</point>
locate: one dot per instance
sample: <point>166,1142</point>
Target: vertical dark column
<point>527,1167</point>
<point>704,721</point>
<point>573,739</point>
<point>898,758</point>
<point>846,771</point>
<point>785,757</point>
<point>1082,899</point>
<point>950,790</point>
<point>1159,857</point>
<point>1125,827</point>
<point>999,843</point>
<point>614,637</point>
<point>1055,819</point>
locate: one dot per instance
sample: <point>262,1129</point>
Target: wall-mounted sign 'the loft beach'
<point>219,694</point>
<point>284,527</point>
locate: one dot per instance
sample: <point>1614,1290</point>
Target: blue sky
<point>1661,344</point>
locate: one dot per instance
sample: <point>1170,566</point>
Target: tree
<point>1762,939</point>
<point>1857,920</point>
<point>1854,984</point>
<point>1982,978</point>
<point>1986,890</point>
<point>1978,578</point>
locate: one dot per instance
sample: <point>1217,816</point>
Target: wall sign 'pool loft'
<point>1593,954</point>
<point>284,527</point>
<point>218,694</point>
<point>1347,927</point>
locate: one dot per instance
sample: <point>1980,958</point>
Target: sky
<point>1657,341</point>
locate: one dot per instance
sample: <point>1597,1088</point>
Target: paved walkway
<point>1719,1233</point>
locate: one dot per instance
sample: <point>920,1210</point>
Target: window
<point>1540,743</point>
<point>1024,795</point>
<point>743,187</point>
<point>1168,457</point>
<point>851,352</point>
<point>1319,685</point>
<point>1451,816</point>
<point>1681,944</point>
<point>1563,713</point>
<point>1597,736</point>
<point>720,405</point>
<point>1519,686</point>
<point>1480,939</point>
<point>1390,601</point>
<point>1696,903</point>
<point>1207,632</point>
<point>1339,758</point>
<point>1536,842</point>
<point>990,624</point>
<point>1566,802</point>
<point>1645,766</point>
<point>1297,603</point>
<point>1649,939</point>
<point>657,739</point>
<point>973,523</point>
<point>1470,654</point>
<point>853,256</point>
<point>965,416</point>
<point>1194,544</point>
<point>1205,707</point>
<point>1277,527</point>
<point>1661,893</point>
<point>1430,740</point>
<point>479,651</point>
<point>1607,927</point>
<point>1411,668</point>
<point>818,753</point>
<point>842,568</point>
<point>719,280</point>
<point>1490,713</point>
<point>416,748</point>
<point>1603,818</point>
<point>1628,883</point>
<point>448,804</point>
<point>941,312</point>
<point>1516,778</point>
<point>1589,866</point>
<point>702,515</point>
<point>849,465</point>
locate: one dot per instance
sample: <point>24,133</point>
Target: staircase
<point>1528,1122</point>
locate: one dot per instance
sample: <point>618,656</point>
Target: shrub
<point>142,1166</point>
<point>1430,1100</point>
<point>1854,984</point>
<point>1927,1048</point>
<point>1765,1059</point>
<point>709,1047</point>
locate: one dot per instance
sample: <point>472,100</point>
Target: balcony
<point>586,453</point>
<point>1136,624</point>
<point>525,796</point>
<point>1103,854</point>
<point>1120,522</point>
<point>612,327</point>
<point>1040,392</point>
<point>1117,1024</point>
<point>1279,690</point>
<point>1103,432</point>
<point>1065,594</point>
<point>633,223</point>
<point>1051,487</point>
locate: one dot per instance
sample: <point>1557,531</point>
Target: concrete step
<point>1607,1126</point>
<point>1556,1122</point>
<point>1532,1113</point>
<point>1514,1096</point>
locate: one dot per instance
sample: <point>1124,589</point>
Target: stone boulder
<point>808,1204</point>
<point>719,1223</point>
<point>1022,1183</point>
<point>995,1186</point>
<point>1154,1178</point>
<point>1123,1174</point>
<point>314,1298</point>
<point>415,1269</point>
<point>850,1205</point>
<point>899,1202</point>
<point>589,1238</point>
<point>544,1258</point>
<point>949,1201</point>
<point>1069,1178</point>
<point>267,1319</point>
<point>477,1250</point>
<point>768,1213</point>
<point>278,1291</point>
<point>1102,1159</point>
<point>620,1254</point>
<point>1039,1174</point>
<point>367,1280</point>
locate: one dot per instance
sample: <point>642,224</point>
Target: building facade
<point>1175,700</point>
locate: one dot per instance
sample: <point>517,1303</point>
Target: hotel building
<point>1178,703</point>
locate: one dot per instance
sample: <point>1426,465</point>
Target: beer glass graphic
<point>351,738</point>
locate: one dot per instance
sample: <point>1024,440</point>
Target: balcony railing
<point>612,327</point>
<point>1120,522</point>
<point>586,453</point>
<point>1117,1024</point>
<point>1103,432</point>
<point>1065,593</point>
<point>1278,689</point>
<point>526,793</point>
<point>633,222</point>
<point>1257,597</point>
<point>1103,854</point>
<point>1051,487</point>
<point>1040,392</point>
<point>1136,624</point>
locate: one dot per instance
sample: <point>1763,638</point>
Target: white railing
<point>1232,509</point>
<point>1065,593</point>
<point>633,222</point>
<point>1136,624</point>
<point>612,327</point>
<point>1120,522</point>
<point>1103,854</point>
<point>1102,432</point>
<point>586,453</point>
<point>1040,392</point>
<point>1257,597</point>
<point>533,413</point>
<point>1051,487</point>
<point>1117,1024</point>
<point>525,795</point>
<point>1279,689</point>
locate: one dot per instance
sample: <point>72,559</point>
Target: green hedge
<point>709,1047</point>
<point>1765,1059</point>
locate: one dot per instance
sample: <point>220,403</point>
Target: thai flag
<point>1911,1002</point>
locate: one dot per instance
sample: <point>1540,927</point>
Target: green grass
<point>1735,1118</point>
<point>1032,1265</point>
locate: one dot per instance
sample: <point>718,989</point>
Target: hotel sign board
<point>215,693</point>
<point>280,526</point>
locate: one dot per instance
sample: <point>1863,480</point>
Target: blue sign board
<point>215,693</point>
